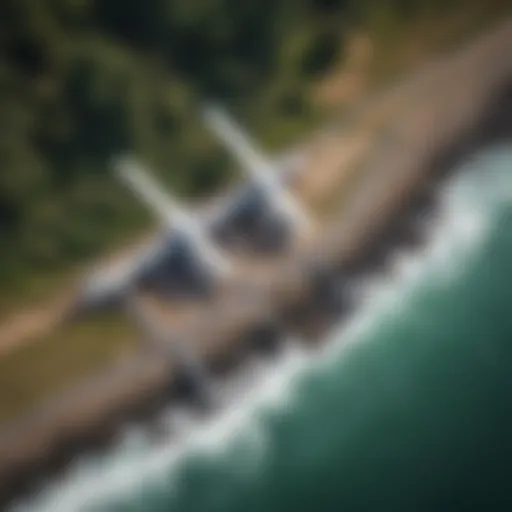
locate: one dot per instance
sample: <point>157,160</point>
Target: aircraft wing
<point>173,215</point>
<point>262,172</point>
<point>112,282</point>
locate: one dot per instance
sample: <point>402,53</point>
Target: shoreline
<point>469,110</point>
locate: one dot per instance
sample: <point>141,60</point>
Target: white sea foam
<point>271,387</point>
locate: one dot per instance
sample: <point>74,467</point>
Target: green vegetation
<point>83,79</point>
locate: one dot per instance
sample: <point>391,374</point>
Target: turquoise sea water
<point>407,408</point>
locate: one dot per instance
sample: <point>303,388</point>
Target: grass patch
<point>43,367</point>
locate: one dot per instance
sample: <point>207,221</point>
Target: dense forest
<point>83,79</point>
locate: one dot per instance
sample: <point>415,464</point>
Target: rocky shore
<point>455,106</point>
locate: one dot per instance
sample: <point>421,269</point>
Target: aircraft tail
<point>191,370</point>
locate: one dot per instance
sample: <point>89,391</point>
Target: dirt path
<point>40,320</point>
<point>28,325</point>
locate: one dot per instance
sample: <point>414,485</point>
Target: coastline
<point>402,172</point>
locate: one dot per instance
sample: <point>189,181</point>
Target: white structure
<point>172,214</point>
<point>262,172</point>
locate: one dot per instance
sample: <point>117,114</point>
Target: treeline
<point>83,79</point>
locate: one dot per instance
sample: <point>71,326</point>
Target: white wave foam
<point>137,464</point>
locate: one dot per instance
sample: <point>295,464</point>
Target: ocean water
<point>408,406</point>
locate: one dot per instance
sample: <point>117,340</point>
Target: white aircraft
<point>186,258</point>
